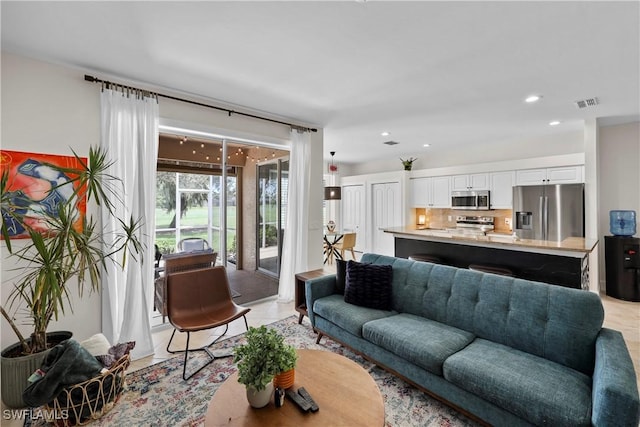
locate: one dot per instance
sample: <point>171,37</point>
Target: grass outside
<point>199,216</point>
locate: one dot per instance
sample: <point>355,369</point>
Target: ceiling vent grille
<point>588,102</point>
<point>391,143</point>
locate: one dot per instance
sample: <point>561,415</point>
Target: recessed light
<point>532,98</point>
<point>385,133</point>
<point>554,123</point>
<point>427,145</point>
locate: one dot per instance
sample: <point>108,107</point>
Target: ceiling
<point>448,74</point>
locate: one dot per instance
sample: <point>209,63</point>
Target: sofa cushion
<point>421,341</point>
<point>368,285</point>
<point>347,316</point>
<point>536,389</point>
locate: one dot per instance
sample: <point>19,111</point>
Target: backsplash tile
<point>446,218</point>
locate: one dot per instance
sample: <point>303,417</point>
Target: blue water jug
<point>622,223</point>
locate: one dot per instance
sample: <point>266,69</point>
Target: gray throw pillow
<point>368,285</point>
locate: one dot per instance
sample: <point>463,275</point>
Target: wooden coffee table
<point>344,391</point>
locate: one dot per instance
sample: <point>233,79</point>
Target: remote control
<point>305,394</point>
<point>298,400</point>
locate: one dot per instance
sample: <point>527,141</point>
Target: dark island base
<point>554,269</point>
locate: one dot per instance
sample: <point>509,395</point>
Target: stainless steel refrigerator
<point>548,212</point>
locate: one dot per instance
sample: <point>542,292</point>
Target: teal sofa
<point>506,351</point>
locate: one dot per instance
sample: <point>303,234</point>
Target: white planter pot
<point>259,399</point>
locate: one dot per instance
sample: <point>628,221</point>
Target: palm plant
<point>67,249</point>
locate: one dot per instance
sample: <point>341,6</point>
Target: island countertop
<point>573,246</point>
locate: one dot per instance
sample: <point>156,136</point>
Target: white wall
<point>435,157</point>
<point>619,178</point>
<point>49,108</point>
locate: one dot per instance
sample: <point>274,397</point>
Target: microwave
<point>471,200</point>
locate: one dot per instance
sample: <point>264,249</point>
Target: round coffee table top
<point>345,393</point>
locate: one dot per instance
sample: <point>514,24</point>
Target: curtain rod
<point>230,112</point>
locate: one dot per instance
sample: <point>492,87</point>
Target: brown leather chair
<point>198,300</point>
<point>174,263</point>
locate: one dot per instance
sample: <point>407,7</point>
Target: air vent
<point>589,102</point>
<point>391,143</point>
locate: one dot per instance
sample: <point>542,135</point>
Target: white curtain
<point>130,135</point>
<point>296,235</point>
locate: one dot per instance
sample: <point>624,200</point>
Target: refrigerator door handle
<point>545,219</point>
<point>541,218</point>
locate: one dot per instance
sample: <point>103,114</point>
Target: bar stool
<point>426,258</point>
<point>494,269</point>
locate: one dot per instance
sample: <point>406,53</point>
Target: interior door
<point>353,213</point>
<point>387,212</point>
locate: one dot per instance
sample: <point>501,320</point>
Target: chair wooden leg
<point>319,338</point>
<point>353,254</point>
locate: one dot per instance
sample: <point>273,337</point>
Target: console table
<point>300,294</point>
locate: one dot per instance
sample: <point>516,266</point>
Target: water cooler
<point>622,256</point>
<point>622,259</point>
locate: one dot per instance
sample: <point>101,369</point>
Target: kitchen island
<point>564,263</point>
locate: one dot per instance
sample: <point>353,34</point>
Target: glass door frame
<point>279,217</point>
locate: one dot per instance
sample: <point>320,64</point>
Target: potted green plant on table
<point>60,248</point>
<point>264,355</point>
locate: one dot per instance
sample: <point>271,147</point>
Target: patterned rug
<point>158,396</point>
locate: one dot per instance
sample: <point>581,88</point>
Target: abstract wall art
<point>35,188</point>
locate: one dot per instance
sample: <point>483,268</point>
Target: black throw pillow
<point>341,275</point>
<point>368,285</point>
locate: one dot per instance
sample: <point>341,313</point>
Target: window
<point>198,212</point>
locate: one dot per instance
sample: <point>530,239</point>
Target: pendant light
<point>332,192</point>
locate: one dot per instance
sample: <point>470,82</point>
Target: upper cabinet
<point>501,188</point>
<point>559,175</point>
<point>431,192</point>
<point>476,181</point>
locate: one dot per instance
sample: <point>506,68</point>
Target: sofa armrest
<point>318,288</point>
<point>615,389</point>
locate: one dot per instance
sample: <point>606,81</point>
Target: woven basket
<point>82,403</point>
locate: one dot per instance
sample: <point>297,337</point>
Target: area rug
<point>158,396</point>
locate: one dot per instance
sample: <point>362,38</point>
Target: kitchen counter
<point>571,246</point>
<point>564,263</point>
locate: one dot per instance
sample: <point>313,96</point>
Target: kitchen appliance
<point>548,212</point>
<point>622,223</point>
<point>472,225</point>
<point>471,200</point>
<point>622,265</point>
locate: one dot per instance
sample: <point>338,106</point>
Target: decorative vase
<point>408,167</point>
<point>331,226</point>
<point>259,399</point>
<point>16,370</point>
<point>285,379</point>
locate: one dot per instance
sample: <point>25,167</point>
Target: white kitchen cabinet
<point>476,181</point>
<point>557,175</point>
<point>431,192</point>
<point>501,188</point>
<point>419,189</point>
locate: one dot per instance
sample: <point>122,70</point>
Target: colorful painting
<point>36,189</point>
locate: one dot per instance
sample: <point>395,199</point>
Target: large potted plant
<point>60,249</point>
<point>264,355</point>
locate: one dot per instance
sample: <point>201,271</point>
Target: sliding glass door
<point>272,192</point>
